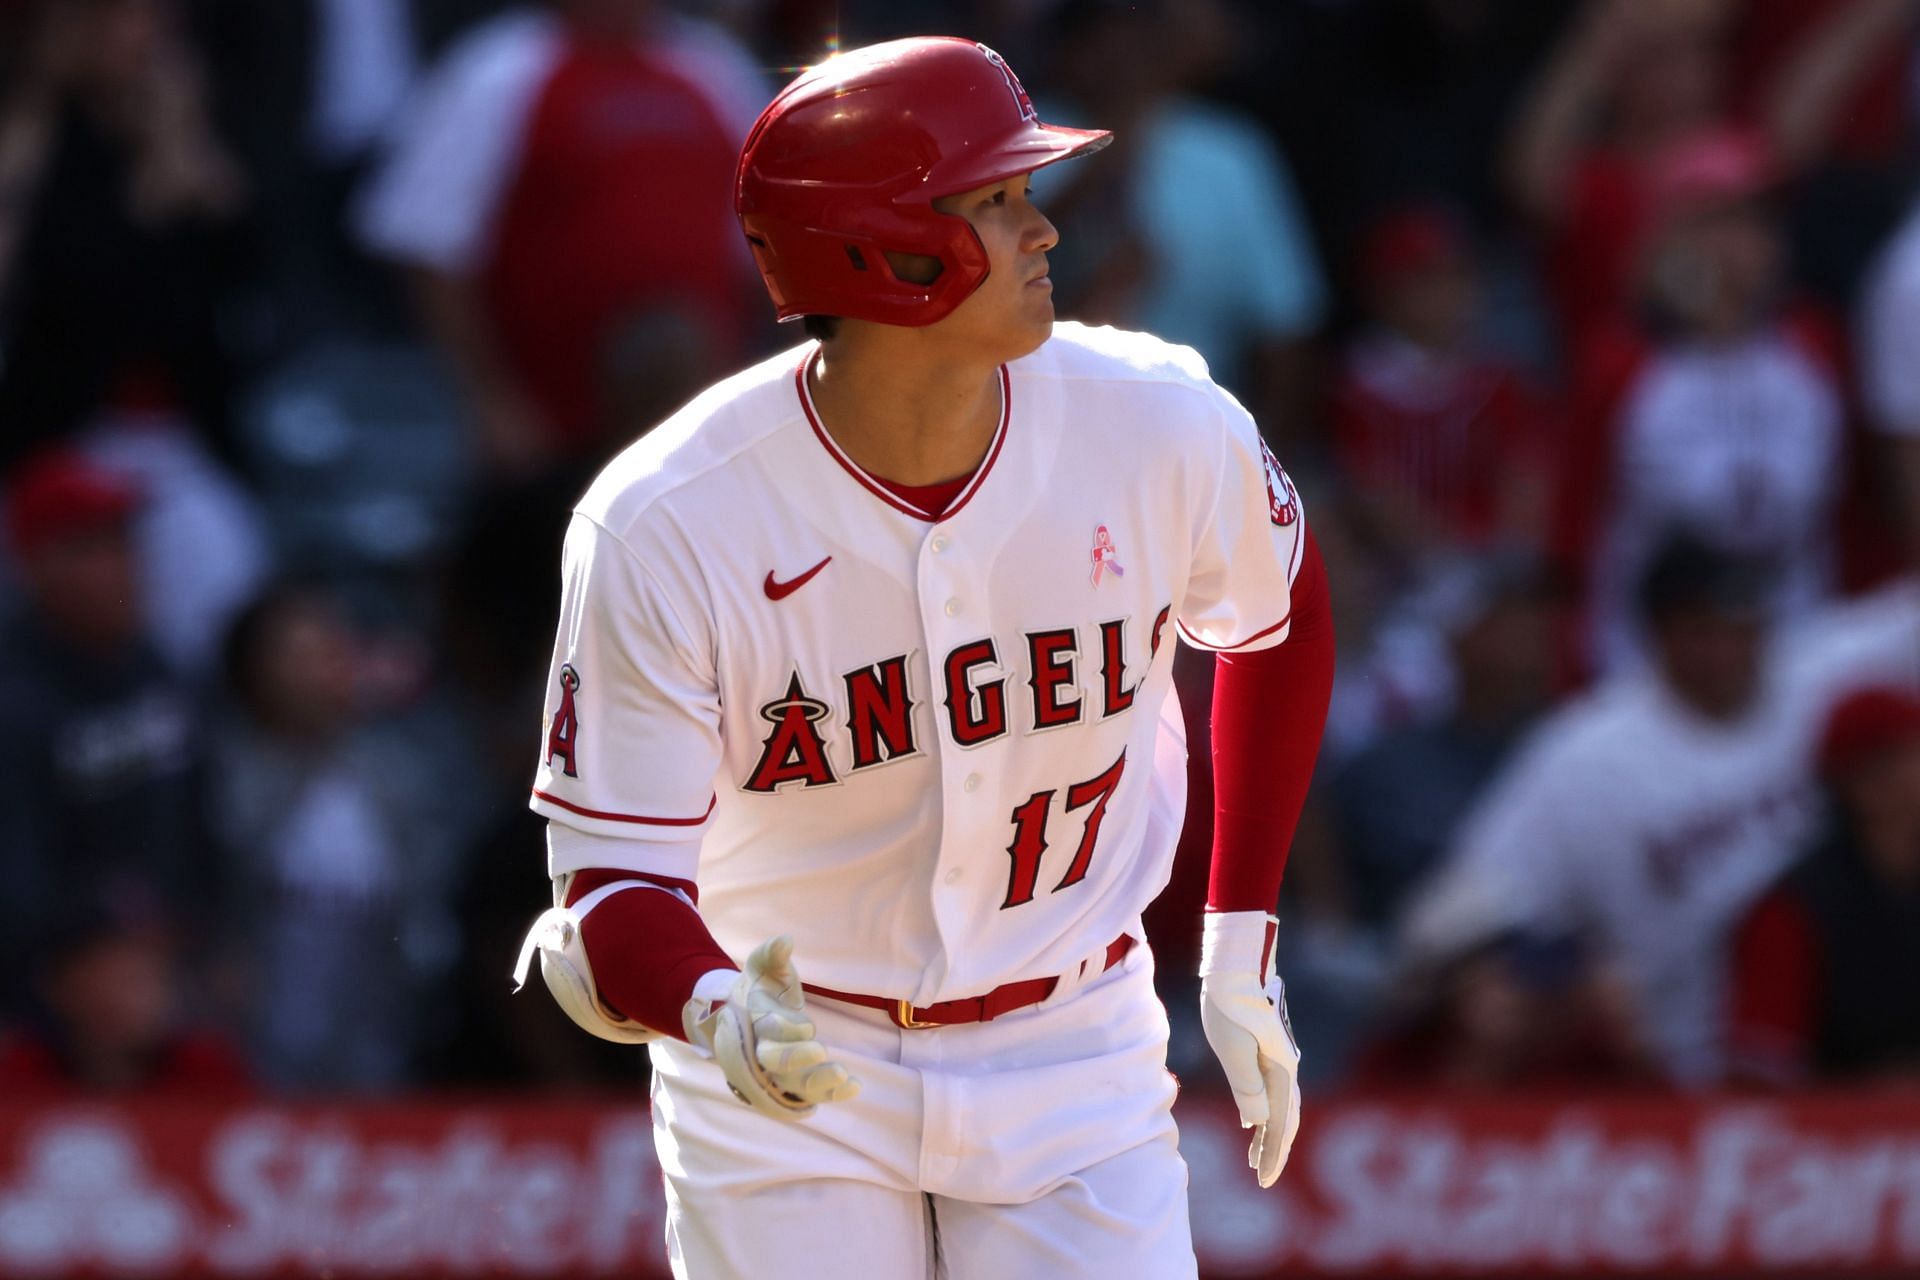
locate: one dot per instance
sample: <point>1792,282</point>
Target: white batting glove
<point>1243,1010</point>
<point>761,1036</point>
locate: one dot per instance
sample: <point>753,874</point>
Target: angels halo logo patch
<point>1283,504</point>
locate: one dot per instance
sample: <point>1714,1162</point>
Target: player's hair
<point>821,328</point>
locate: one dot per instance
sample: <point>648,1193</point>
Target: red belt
<point>953,1013</point>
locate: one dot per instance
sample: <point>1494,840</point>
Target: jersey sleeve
<point>630,743</point>
<point>432,204</point>
<point>1871,640</point>
<point>1513,866</point>
<point>1247,546</point>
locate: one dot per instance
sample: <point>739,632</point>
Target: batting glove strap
<point>762,1039</point>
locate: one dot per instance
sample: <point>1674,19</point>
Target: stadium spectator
<point>1513,1013</point>
<point>1190,227</point>
<point>331,856</point>
<point>1443,447</point>
<point>1397,803</point>
<point>121,228</point>
<point>1889,336</point>
<point>110,1012</point>
<point>1632,79</point>
<point>1645,818</point>
<point>123,244</point>
<point>100,745</point>
<point>559,173</point>
<point>1420,88</point>
<point>1823,966</point>
<point>497,590</point>
<point>306,90</point>
<point>1720,412</point>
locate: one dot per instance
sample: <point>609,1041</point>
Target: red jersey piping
<point>584,812</point>
<point>879,490</point>
<point>1198,643</point>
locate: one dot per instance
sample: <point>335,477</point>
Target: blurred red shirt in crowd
<point>576,175</point>
<point>1439,439</point>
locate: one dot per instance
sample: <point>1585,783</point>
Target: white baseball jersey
<point>931,749</point>
<point>1650,829</point>
<point>1742,446</point>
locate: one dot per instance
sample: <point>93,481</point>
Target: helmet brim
<point>1032,147</point>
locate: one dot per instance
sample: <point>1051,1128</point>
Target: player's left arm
<point>1272,686</point>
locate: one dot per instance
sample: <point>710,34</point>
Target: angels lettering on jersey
<point>876,707</point>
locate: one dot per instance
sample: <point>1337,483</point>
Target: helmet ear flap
<point>870,276</point>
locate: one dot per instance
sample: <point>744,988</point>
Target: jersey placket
<point>953,602</point>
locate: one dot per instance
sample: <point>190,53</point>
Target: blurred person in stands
<point>1386,810</point>
<point>498,581</point>
<point>1888,333</point>
<point>108,1014</point>
<point>1191,227</point>
<point>1398,802</point>
<point>561,171</point>
<point>1419,87</point>
<point>305,90</point>
<point>123,239</point>
<point>1720,411</point>
<point>1633,78</point>
<point>327,863</point>
<point>1643,819</point>
<point>1824,966</point>
<point>100,745</point>
<point>1511,1012</point>
<point>119,220</point>
<point>1441,445</point>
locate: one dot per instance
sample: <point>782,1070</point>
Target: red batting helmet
<point>844,165</point>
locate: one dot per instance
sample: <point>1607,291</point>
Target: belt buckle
<point>904,1019</point>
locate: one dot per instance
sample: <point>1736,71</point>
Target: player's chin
<point>1037,315</point>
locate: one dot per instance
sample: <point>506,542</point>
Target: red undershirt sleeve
<point>1269,709</point>
<point>647,948</point>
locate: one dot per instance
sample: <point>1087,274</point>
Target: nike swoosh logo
<point>781,590</point>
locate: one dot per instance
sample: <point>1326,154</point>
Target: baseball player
<point>860,757</point>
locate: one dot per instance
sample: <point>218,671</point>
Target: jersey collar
<point>873,485</point>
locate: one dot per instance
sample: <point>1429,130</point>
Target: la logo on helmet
<point>1013,83</point>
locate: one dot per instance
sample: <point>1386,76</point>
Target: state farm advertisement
<point>1811,1186</point>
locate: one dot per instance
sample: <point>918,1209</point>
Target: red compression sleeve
<point>1269,708</point>
<point>647,948</point>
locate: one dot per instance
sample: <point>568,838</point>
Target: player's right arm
<point>629,752</point>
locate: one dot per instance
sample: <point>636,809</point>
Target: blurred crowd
<point>1590,330</point>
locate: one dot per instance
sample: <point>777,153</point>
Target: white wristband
<point>1238,942</point>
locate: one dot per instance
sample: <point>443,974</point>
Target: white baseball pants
<point>1040,1146</point>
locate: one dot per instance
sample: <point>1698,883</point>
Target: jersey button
<point>972,782</point>
<point>953,876</point>
<point>953,607</point>
<point>938,543</point>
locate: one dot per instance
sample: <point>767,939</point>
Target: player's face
<point>1011,312</point>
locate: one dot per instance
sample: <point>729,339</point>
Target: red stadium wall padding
<point>1821,1185</point>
